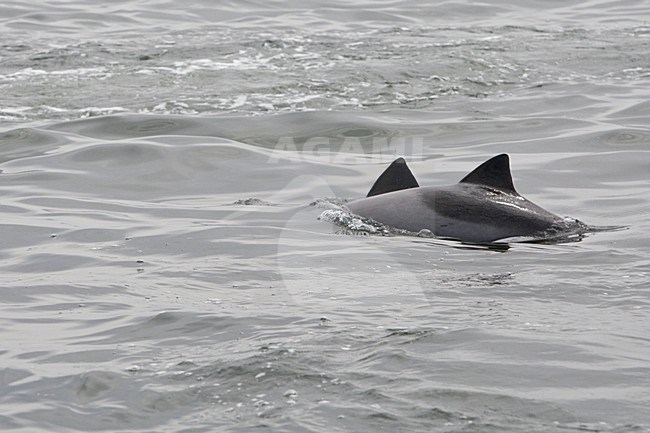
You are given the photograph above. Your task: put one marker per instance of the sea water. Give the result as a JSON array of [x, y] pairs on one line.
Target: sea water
[[164, 170]]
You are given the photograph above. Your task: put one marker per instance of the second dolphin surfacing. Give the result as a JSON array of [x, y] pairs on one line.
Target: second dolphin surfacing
[[483, 207]]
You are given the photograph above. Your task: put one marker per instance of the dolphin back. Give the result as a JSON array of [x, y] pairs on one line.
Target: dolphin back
[[483, 207]]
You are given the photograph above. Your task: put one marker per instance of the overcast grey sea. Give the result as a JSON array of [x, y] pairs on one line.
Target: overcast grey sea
[[165, 166]]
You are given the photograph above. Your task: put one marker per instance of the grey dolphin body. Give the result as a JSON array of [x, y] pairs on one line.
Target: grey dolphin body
[[483, 207]]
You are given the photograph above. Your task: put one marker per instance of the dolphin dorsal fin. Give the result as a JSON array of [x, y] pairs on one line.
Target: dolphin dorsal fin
[[494, 173], [396, 177]]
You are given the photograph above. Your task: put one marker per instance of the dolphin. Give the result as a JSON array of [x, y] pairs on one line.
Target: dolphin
[[482, 208]]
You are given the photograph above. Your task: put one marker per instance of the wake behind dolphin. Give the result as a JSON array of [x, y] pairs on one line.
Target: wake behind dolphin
[[483, 207]]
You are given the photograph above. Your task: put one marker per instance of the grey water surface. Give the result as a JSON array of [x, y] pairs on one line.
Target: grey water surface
[[164, 166]]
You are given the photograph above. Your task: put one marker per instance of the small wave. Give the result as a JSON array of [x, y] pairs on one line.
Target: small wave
[[351, 224], [253, 202]]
